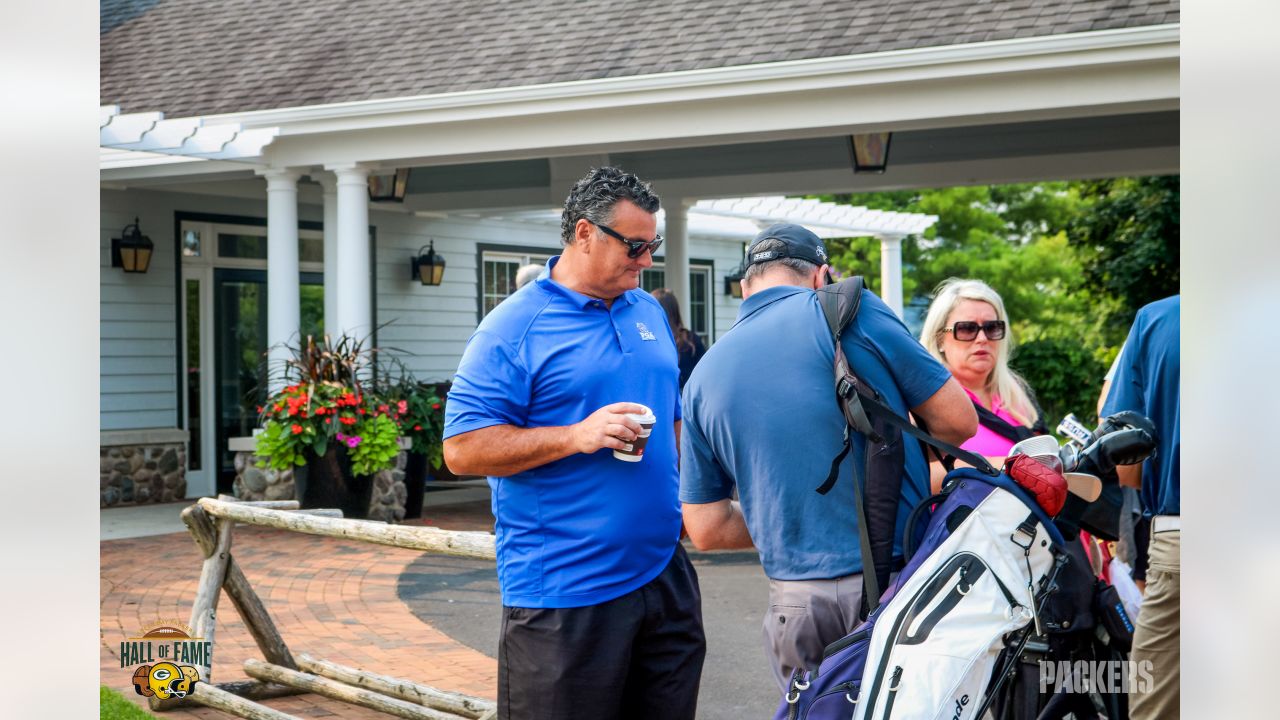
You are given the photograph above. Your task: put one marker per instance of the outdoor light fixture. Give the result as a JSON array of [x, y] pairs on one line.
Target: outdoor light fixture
[[132, 250], [388, 185], [733, 284], [428, 267], [870, 152]]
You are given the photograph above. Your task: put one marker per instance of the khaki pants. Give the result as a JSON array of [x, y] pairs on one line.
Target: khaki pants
[[805, 616], [1156, 637]]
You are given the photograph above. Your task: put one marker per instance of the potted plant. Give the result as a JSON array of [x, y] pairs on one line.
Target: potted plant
[[327, 419], [420, 407]]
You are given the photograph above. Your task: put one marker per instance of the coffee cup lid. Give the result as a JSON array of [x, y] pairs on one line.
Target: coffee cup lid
[[645, 417]]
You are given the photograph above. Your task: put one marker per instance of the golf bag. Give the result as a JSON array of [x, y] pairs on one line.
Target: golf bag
[[929, 650], [985, 548]]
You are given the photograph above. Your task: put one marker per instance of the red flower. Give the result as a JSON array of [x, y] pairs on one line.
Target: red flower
[[327, 421], [383, 408], [297, 429], [417, 427], [293, 411], [361, 411], [435, 406], [259, 409]]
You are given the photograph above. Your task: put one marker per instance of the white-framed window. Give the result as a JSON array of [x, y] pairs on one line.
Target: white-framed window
[[498, 274], [701, 308], [243, 246]]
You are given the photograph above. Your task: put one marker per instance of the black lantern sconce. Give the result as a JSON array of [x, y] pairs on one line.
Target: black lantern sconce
[[428, 267], [733, 284], [132, 250], [870, 152], [388, 185]]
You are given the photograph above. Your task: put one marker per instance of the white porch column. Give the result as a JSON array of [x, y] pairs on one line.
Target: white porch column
[[891, 272], [677, 253], [355, 309], [283, 315], [329, 184]]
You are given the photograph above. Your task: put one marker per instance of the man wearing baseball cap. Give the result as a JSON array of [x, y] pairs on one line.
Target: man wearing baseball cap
[[760, 415]]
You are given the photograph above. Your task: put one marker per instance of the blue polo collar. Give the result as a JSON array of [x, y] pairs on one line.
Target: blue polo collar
[[766, 297], [582, 302]]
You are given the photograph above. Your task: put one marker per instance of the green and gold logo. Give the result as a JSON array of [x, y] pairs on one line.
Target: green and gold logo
[[167, 656]]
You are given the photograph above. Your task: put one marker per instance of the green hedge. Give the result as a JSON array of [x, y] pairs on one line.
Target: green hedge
[[1065, 376]]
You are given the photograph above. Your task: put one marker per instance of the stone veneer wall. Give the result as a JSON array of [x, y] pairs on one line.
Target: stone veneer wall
[[142, 466], [255, 483]]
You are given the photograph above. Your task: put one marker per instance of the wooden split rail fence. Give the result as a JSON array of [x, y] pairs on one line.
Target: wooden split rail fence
[[280, 673]]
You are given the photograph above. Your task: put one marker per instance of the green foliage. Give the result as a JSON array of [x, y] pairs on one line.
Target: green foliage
[[113, 706], [375, 447], [329, 404], [422, 416], [1065, 375], [1130, 239], [1073, 261]]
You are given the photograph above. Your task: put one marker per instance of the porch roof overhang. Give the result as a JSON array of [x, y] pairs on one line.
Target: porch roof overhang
[[1081, 75]]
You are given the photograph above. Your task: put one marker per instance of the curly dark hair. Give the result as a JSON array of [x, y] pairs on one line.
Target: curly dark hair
[[594, 196]]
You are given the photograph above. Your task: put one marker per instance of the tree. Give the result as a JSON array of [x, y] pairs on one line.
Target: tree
[[1129, 240]]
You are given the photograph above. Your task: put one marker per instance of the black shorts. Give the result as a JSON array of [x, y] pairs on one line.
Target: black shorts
[[636, 656]]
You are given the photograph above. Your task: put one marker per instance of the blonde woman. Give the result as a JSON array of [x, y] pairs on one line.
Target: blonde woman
[[967, 330]]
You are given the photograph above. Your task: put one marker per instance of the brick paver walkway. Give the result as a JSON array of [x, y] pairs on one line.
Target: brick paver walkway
[[330, 598]]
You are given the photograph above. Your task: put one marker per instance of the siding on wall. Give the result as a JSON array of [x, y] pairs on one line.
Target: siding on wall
[[137, 363], [137, 327]]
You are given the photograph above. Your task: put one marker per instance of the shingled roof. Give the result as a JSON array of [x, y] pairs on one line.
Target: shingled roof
[[201, 57]]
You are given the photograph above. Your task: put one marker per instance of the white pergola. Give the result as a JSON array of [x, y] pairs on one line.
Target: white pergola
[[742, 219], [832, 220]]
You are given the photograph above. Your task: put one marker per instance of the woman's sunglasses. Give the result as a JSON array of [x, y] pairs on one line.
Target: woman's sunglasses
[[635, 248], [967, 330]]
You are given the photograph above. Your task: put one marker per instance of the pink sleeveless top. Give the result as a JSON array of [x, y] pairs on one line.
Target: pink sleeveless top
[[987, 442]]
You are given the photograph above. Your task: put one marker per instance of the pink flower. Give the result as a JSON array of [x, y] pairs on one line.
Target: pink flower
[[353, 441], [402, 406]]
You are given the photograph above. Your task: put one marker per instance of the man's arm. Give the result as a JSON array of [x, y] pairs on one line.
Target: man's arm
[[504, 450], [716, 525], [1130, 475], [949, 413]]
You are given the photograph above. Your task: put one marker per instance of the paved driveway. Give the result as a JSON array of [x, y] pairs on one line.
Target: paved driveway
[[460, 598]]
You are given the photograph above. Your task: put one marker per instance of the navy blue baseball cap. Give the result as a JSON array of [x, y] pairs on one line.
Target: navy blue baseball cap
[[799, 243]]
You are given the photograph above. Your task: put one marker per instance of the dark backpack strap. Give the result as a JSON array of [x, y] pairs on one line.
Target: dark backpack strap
[[1002, 427]]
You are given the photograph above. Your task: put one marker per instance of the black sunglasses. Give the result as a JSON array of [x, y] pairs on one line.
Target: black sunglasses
[[967, 330], [635, 248]]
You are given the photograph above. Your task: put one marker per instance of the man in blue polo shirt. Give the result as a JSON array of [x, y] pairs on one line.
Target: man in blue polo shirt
[[760, 414], [602, 614], [1147, 379]]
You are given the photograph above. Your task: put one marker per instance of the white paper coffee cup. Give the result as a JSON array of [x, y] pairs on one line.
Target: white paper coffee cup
[[634, 450]]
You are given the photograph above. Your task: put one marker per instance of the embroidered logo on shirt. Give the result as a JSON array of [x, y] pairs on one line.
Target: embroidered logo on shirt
[[644, 332]]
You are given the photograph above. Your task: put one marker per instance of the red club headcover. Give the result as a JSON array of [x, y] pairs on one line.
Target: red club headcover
[[1044, 483]]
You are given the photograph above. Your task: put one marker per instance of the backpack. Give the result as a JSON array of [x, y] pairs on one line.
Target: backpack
[[986, 554]]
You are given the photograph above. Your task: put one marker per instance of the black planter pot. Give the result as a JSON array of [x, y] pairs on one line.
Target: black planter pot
[[415, 483], [329, 483]]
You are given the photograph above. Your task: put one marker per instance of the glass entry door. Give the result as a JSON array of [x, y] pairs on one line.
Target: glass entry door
[[240, 346]]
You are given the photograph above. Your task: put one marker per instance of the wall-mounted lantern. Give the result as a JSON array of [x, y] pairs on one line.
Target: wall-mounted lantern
[[870, 152], [132, 250], [388, 185], [428, 267], [733, 283]]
